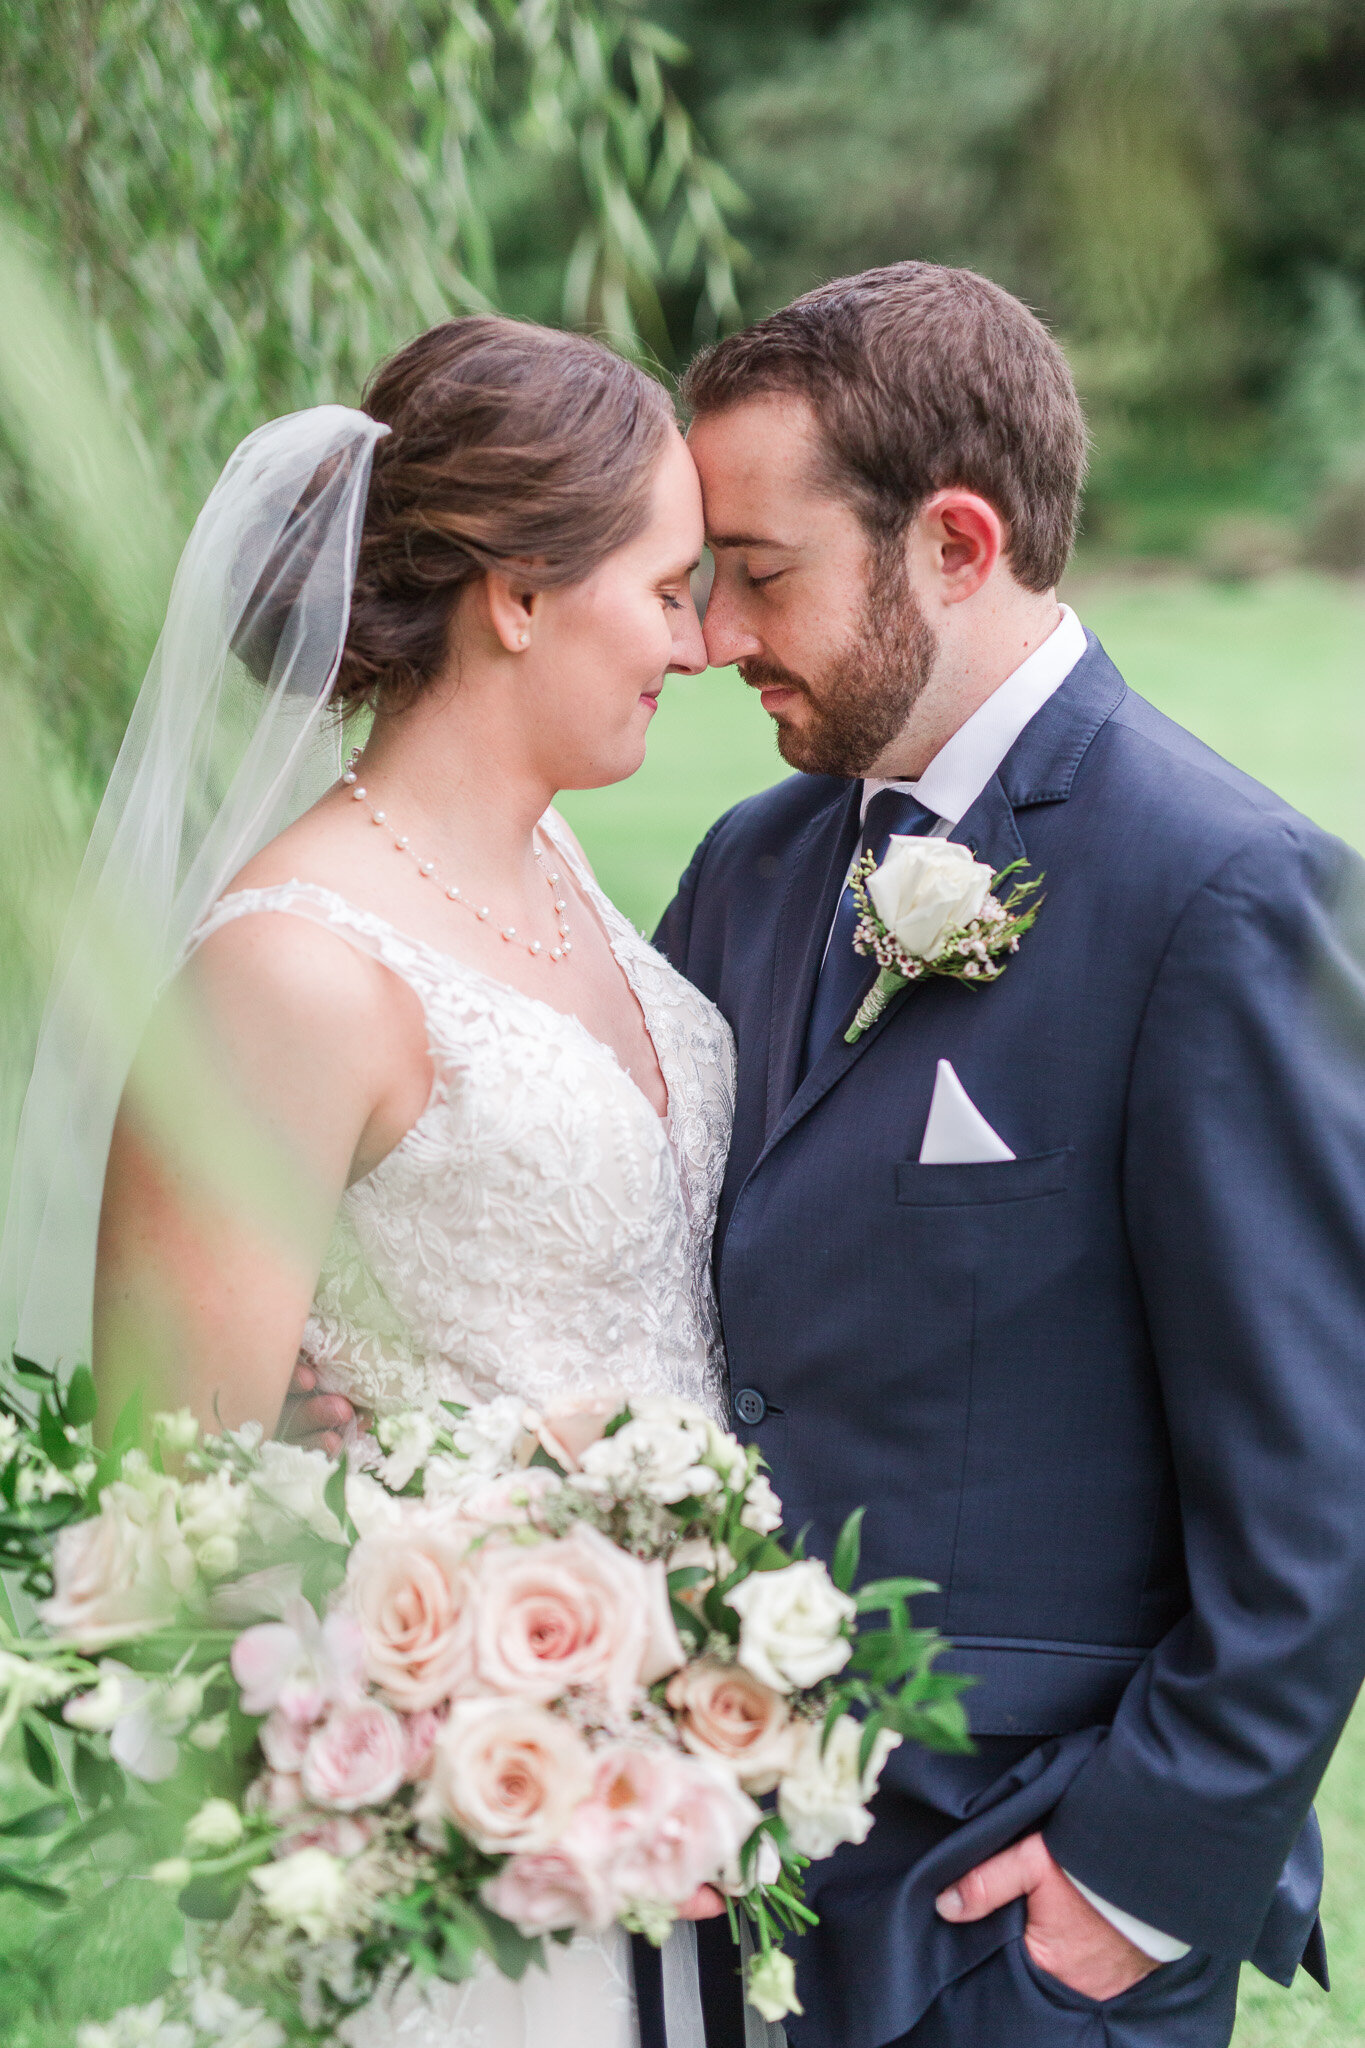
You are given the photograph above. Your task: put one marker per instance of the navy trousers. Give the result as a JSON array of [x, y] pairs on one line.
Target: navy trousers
[[1006, 2001]]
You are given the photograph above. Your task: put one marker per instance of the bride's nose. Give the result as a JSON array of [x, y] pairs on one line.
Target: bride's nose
[[689, 649]]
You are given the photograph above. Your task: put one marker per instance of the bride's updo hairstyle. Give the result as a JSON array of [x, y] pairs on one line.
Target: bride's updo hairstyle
[[511, 446]]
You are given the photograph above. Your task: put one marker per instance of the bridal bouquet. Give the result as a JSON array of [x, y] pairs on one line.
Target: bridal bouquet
[[500, 1677]]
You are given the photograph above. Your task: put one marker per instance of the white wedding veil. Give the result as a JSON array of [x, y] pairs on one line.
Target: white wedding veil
[[230, 738]]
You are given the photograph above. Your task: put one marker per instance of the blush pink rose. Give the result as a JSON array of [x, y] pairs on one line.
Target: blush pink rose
[[575, 1612], [551, 1889], [340, 1834], [409, 1592], [355, 1758], [567, 1429], [283, 1742], [275, 1794], [509, 1776], [512, 1500], [659, 1825], [419, 1740], [724, 1712]]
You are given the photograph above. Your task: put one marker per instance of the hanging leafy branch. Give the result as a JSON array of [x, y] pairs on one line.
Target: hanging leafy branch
[[256, 201]]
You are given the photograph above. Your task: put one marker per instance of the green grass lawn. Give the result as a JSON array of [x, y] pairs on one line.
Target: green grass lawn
[[1273, 675]]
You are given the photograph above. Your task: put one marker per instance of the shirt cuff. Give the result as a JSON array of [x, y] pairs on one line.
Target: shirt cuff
[[1162, 1948]]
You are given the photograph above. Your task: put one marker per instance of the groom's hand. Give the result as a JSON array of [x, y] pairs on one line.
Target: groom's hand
[[1065, 1935], [317, 1421]]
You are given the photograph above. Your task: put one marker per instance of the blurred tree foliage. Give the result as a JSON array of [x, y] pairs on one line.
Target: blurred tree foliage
[[1179, 185], [254, 201], [215, 211]]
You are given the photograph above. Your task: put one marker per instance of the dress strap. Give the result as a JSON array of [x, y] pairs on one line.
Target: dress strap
[[409, 959]]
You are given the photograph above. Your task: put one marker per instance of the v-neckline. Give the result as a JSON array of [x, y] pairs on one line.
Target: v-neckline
[[508, 988]]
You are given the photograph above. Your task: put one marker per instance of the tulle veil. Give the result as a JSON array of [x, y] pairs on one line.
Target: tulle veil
[[232, 735]]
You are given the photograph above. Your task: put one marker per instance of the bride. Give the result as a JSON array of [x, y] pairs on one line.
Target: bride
[[419, 1108]]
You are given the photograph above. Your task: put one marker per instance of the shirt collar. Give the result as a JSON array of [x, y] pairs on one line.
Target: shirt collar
[[962, 767]]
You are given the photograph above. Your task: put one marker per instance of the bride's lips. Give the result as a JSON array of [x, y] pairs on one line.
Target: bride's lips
[[650, 699]]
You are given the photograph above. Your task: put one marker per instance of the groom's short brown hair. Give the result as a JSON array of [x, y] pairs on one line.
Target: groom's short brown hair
[[922, 377]]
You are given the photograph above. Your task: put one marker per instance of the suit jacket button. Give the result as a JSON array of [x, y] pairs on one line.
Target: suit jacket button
[[750, 1406]]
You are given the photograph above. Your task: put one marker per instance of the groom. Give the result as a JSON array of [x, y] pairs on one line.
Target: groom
[[1064, 1276]]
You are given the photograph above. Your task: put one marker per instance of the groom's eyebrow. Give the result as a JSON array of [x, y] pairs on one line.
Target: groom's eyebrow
[[747, 540]]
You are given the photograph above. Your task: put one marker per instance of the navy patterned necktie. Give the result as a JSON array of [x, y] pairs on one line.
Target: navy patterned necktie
[[846, 976]]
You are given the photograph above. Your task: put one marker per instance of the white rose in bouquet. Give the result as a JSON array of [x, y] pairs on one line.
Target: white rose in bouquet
[[762, 1510], [661, 1453], [290, 1488], [121, 1574], [493, 1436], [307, 1890], [371, 1506], [407, 1438], [212, 1513], [927, 888], [791, 1625], [823, 1801]]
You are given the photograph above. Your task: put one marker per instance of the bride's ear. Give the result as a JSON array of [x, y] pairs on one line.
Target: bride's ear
[[512, 610]]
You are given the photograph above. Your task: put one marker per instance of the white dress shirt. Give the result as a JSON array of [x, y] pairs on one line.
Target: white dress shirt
[[950, 785], [964, 764]]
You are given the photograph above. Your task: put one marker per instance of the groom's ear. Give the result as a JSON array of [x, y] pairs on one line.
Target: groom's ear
[[960, 540]]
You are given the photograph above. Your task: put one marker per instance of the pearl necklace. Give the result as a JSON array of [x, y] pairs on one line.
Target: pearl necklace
[[427, 870]]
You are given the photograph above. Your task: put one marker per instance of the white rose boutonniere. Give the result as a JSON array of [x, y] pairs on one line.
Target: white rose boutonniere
[[932, 908]]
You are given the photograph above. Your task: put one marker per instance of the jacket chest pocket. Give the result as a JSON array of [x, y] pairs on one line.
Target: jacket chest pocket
[[989, 1181]]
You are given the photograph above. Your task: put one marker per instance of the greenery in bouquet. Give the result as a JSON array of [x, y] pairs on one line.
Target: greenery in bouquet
[[489, 1679]]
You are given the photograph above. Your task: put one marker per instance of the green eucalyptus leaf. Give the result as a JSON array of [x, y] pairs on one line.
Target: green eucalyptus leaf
[[880, 1593], [33, 1888], [686, 1577], [39, 1758], [210, 1898], [39, 1820], [512, 1951], [81, 1402], [55, 1442], [127, 1430], [844, 1564]]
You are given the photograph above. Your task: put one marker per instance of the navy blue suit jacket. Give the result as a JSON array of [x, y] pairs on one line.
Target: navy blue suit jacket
[[1109, 1395]]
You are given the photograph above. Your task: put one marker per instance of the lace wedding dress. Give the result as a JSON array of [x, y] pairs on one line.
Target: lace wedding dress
[[539, 1231]]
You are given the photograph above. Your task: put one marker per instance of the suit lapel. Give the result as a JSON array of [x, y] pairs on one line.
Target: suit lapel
[[990, 830], [1039, 769], [818, 867]]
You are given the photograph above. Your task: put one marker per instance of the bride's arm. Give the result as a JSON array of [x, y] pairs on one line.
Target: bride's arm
[[282, 1066]]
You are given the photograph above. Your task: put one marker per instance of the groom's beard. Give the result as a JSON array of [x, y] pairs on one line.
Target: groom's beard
[[861, 701]]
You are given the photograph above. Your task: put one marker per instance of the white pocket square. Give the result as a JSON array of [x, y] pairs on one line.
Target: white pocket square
[[957, 1134]]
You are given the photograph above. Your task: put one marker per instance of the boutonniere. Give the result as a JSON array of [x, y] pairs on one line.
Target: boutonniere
[[932, 908]]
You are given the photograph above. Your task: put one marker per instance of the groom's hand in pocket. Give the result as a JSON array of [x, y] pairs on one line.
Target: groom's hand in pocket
[[315, 1420], [1065, 1935]]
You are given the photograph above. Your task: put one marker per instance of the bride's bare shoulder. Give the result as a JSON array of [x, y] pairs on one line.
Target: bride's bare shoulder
[[288, 958]]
